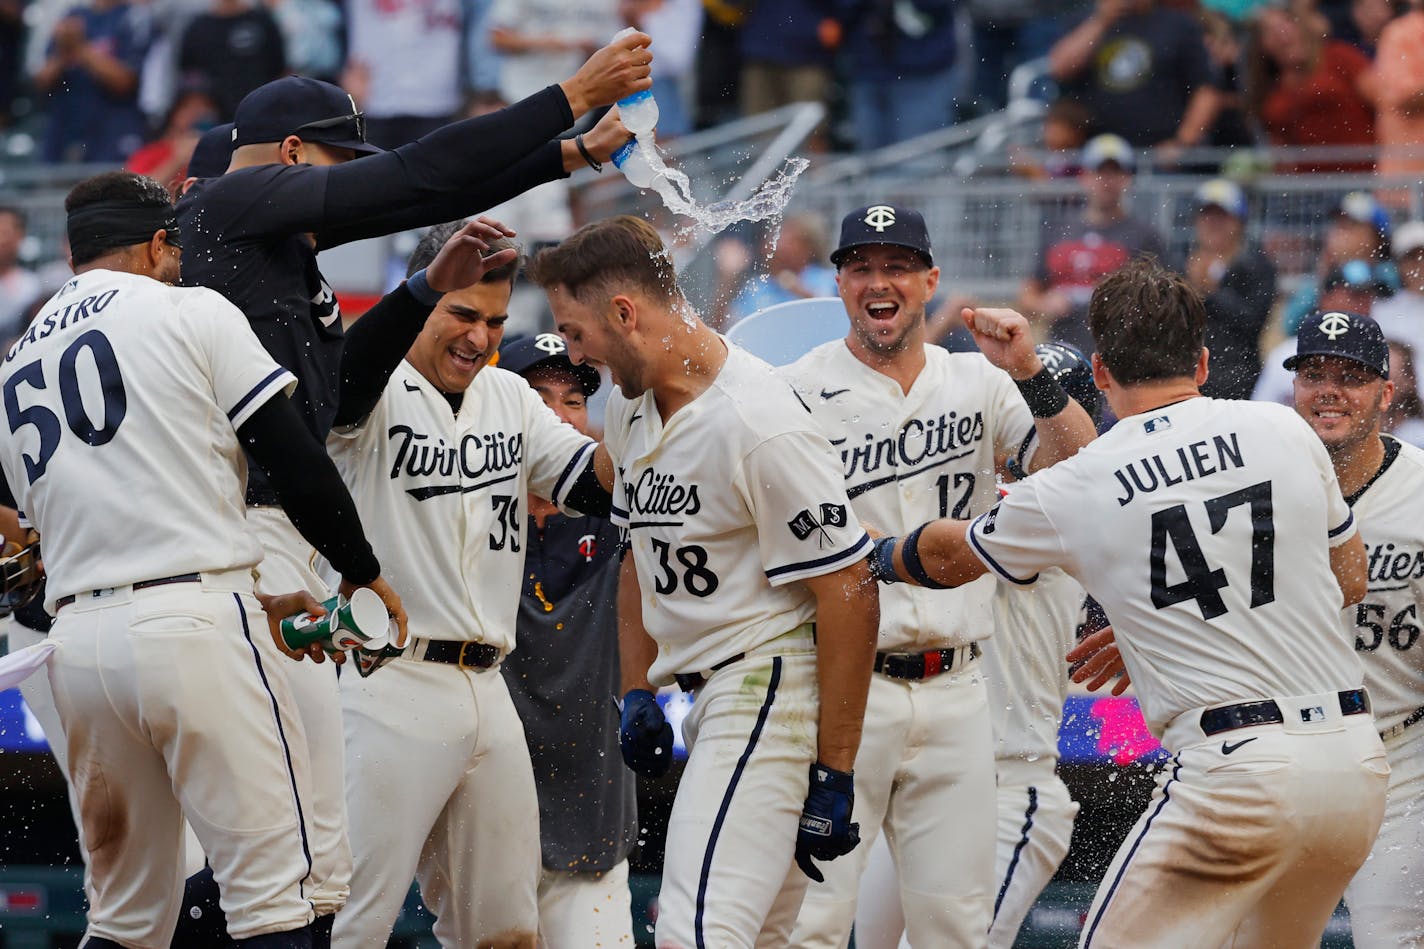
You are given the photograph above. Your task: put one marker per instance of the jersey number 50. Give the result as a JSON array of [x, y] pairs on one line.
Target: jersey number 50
[[111, 384], [1202, 582]]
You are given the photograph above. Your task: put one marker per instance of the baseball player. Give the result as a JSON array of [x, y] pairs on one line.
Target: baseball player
[[440, 451], [167, 706], [1342, 387], [560, 675], [918, 430], [1175, 521], [748, 572], [1027, 682], [292, 189]]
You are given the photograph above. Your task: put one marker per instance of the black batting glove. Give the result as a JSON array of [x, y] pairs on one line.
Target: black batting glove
[[825, 830], [644, 735]]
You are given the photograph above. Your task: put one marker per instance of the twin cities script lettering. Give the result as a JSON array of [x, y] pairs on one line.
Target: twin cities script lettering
[[1188, 463], [658, 494], [920, 441], [493, 456]]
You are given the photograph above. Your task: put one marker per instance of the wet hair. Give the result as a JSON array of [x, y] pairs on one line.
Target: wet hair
[[436, 238], [601, 258], [1147, 322], [114, 210]]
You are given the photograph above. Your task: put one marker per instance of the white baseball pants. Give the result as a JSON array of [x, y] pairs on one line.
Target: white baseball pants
[[286, 567], [1251, 835], [729, 877], [169, 708], [439, 789], [585, 910], [1386, 898], [925, 775]]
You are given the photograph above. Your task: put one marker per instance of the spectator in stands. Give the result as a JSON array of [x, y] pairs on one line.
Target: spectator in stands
[[1359, 22], [1223, 47], [403, 66], [19, 288], [235, 47], [1399, 93], [675, 26], [1401, 316], [1238, 285], [903, 79], [1143, 71], [1351, 287], [311, 36], [1404, 419], [1077, 253], [89, 83], [1359, 229], [719, 63], [796, 270], [1308, 89], [1009, 33], [165, 159], [1065, 132], [537, 39], [786, 48]]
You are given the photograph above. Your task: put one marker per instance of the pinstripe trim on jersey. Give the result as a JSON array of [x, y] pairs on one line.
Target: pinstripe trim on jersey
[[275, 381], [1027, 443], [1349, 522], [727, 801], [576, 464], [993, 564], [813, 568], [1018, 851], [617, 515], [1141, 836], [281, 736]]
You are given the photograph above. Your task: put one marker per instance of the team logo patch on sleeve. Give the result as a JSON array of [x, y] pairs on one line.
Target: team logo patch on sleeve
[[804, 524], [833, 515]]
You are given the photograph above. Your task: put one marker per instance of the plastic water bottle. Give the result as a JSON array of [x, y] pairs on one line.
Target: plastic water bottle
[[639, 113]]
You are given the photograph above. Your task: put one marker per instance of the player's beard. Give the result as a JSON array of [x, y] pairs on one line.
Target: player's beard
[[887, 345], [1363, 424]]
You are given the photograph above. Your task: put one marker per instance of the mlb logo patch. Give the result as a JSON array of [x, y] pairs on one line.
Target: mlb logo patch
[[1159, 423], [1314, 713]]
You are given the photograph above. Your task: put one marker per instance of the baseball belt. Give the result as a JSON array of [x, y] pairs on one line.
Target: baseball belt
[[924, 665], [1394, 731], [1214, 721], [64, 601], [467, 654], [692, 681]]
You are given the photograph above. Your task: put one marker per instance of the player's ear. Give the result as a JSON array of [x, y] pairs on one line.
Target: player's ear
[[1101, 377], [625, 311], [1202, 369], [154, 249], [291, 151], [1386, 395], [932, 283]]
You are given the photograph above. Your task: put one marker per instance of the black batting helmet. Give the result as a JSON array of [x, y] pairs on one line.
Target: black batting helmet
[[1072, 370]]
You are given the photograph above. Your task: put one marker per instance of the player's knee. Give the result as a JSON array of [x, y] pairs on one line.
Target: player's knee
[[512, 939]]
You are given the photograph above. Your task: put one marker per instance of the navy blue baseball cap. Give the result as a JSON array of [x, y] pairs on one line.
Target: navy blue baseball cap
[[310, 109], [883, 224], [1347, 335], [213, 153], [526, 353], [1072, 370]]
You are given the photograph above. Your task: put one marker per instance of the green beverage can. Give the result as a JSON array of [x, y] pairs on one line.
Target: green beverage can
[[360, 621]]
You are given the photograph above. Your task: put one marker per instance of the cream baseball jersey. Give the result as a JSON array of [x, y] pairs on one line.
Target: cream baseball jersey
[[1024, 665], [728, 504], [442, 494], [123, 401], [1385, 626], [911, 457], [1203, 528]]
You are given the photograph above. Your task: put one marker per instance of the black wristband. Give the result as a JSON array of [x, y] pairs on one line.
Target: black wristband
[[593, 163], [1045, 397], [910, 553], [882, 560]]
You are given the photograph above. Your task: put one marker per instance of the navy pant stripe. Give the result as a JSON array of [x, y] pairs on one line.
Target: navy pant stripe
[[727, 800], [1018, 849], [281, 734], [1142, 835]]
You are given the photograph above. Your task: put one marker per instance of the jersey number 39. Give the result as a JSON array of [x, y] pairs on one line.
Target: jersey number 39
[[111, 384]]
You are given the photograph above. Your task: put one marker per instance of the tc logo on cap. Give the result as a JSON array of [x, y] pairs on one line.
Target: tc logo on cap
[[880, 216], [1334, 325], [551, 343]]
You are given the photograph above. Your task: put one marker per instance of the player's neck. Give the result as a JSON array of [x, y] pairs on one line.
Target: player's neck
[[687, 368], [1147, 396], [1356, 464]]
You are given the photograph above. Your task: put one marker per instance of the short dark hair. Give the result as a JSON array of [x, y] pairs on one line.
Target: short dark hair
[[1147, 322], [606, 254], [437, 236], [137, 191]]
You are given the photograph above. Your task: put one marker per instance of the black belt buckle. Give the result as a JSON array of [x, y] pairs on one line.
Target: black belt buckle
[[916, 666], [476, 655]]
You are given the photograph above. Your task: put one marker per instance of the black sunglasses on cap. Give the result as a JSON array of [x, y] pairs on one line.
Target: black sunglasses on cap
[[358, 119]]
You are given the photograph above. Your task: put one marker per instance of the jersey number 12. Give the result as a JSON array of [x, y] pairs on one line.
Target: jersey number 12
[[1202, 583], [111, 384]]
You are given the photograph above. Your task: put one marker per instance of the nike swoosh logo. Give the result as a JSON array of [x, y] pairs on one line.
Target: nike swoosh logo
[[832, 394], [635, 418], [411, 388], [1227, 747]]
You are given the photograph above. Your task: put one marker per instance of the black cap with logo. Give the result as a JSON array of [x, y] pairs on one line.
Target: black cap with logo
[[530, 352], [883, 224], [310, 109], [1347, 335]]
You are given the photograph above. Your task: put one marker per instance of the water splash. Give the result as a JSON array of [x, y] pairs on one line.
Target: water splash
[[767, 202]]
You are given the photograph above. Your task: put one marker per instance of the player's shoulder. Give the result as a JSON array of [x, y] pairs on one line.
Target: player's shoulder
[[1408, 464], [758, 397]]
